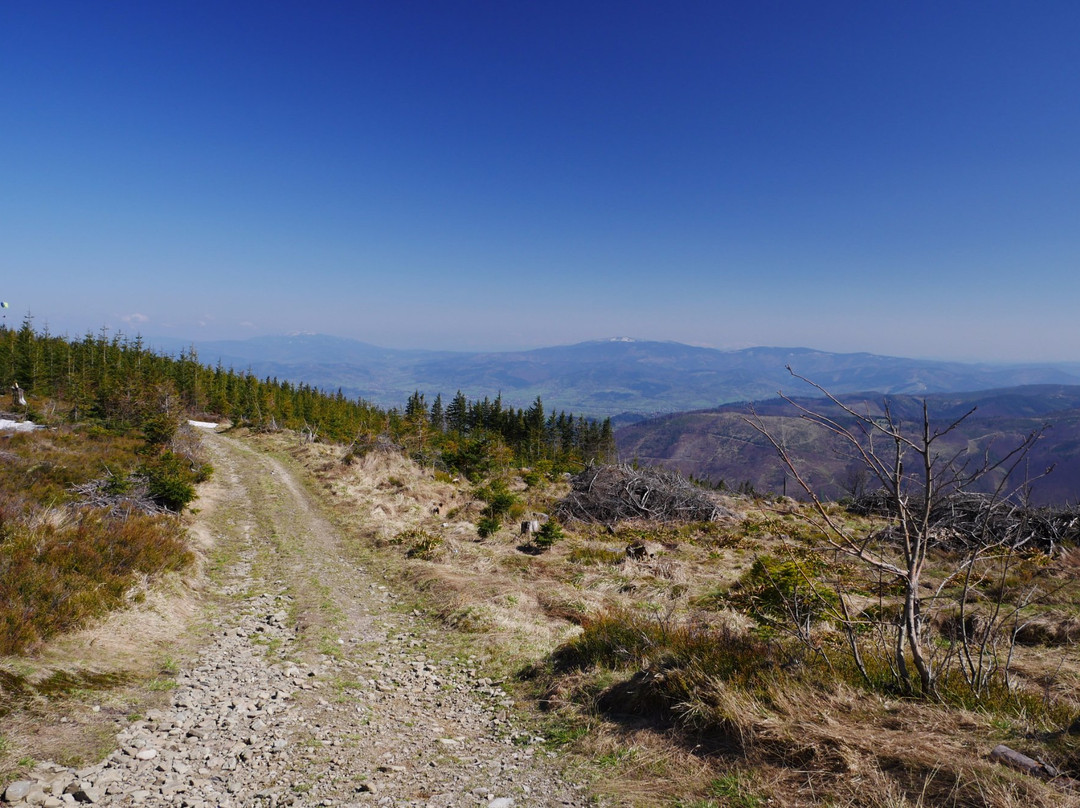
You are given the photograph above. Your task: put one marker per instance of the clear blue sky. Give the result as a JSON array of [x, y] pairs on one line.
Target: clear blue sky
[[901, 178]]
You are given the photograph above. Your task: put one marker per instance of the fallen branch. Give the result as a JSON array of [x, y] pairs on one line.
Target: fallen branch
[[1035, 768]]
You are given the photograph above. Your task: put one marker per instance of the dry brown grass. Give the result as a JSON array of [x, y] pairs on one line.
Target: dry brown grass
[[796, 739], [49, 699]]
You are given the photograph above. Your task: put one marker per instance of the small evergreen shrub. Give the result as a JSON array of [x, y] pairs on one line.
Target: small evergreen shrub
[[159, 428], [778, 590], [549, 533], [499, 502], [170, 481]]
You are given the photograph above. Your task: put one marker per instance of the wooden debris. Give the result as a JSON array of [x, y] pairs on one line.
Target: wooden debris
[[610, 494], [1036, 768], [964, 519], [118, 497]]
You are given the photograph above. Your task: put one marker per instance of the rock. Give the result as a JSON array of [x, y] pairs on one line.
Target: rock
[[83, 792], [17, 790]]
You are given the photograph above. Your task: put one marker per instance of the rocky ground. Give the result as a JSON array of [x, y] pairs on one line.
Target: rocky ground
[[313, 687]]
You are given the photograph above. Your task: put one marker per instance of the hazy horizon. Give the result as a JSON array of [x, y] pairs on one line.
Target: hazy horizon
[[896, 180], [180, 342]]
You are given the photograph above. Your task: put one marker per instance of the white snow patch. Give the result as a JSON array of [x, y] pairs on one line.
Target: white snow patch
[[19, 426], [203, 424]]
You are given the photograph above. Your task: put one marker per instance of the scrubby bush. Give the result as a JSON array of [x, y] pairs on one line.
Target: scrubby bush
[[422, 545], [784, 591], [170, 481], [549, 533], [487, 526]]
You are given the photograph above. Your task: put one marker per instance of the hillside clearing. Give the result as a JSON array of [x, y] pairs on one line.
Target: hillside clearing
[[657, 724]]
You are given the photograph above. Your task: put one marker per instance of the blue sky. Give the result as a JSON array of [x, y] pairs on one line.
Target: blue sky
[[900, 178]]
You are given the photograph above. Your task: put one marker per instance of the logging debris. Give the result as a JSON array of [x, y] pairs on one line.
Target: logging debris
[[964, 519], [611, 494], [117, 496]]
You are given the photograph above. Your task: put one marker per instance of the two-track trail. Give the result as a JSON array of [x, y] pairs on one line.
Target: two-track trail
[[310, 688]]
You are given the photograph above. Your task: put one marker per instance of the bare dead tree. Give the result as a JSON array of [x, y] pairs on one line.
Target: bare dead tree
[[916, 481]]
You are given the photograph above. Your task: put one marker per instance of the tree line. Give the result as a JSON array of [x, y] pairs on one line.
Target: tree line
[[120, 383]]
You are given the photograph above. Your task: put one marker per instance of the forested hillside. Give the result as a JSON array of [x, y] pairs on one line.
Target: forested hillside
[[113, 456], [118, 383]]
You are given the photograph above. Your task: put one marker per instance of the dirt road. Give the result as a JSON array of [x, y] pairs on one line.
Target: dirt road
[[313, 686]]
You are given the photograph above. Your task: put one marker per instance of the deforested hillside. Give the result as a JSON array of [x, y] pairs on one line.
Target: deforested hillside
[[721, 445]]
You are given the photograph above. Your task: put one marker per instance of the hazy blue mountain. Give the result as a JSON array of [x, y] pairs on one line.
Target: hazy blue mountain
[[621, 377]]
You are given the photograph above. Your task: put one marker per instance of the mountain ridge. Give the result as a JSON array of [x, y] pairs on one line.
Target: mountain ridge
[[620, 377], [720, 444]]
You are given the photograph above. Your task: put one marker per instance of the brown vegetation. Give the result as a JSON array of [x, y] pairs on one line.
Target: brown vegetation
[[683, 686], [62, 562]]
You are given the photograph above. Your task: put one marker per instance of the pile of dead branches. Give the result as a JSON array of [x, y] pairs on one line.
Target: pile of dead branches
[[966, 519], [610, 494], [118, 497]]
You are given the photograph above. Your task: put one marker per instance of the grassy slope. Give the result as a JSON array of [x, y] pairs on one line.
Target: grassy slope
[[655, 716], [782, 731]]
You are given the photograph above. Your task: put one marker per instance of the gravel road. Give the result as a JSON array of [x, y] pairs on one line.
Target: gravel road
[[313, 686]]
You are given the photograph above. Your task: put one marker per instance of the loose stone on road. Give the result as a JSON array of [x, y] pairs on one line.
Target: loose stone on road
[[262, 719]]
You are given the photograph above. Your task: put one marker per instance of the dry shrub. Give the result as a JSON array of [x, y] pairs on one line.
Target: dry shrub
[[55, 578], [187, 443], [1050, 630]]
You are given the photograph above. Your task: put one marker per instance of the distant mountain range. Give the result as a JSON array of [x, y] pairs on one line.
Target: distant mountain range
[[719, 444], [624, 378]]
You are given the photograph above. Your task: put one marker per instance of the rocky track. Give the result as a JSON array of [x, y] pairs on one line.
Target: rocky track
[[311, 688]]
